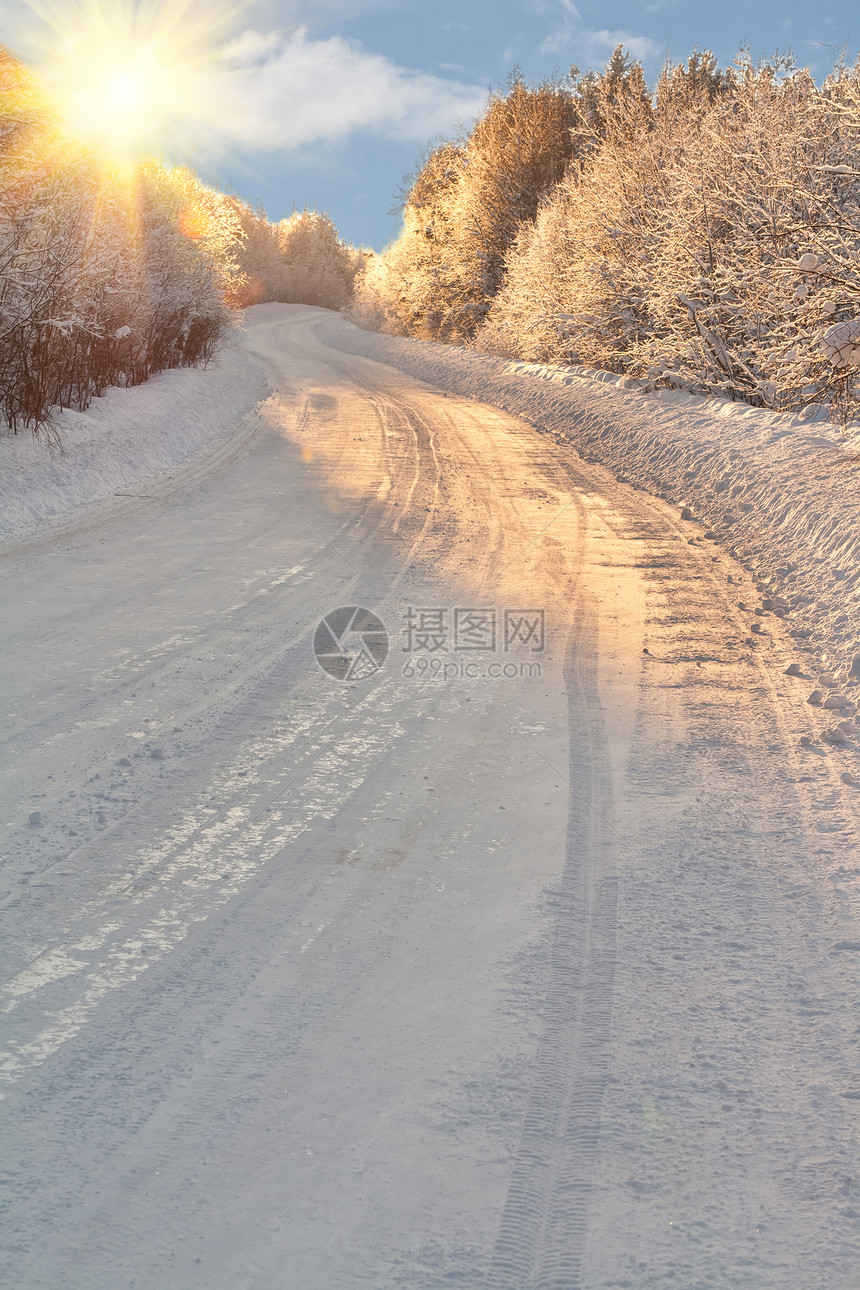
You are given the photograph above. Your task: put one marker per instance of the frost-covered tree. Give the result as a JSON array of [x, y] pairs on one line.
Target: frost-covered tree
[[464, 210], [705, 235], [319, 268], [410, 289], [258, 258], [709, 244], [300, 260], [611, 106]]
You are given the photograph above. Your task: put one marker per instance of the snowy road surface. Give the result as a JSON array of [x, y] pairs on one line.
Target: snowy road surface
[[536, 971]]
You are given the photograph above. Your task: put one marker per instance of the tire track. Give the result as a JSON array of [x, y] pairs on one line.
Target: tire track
[[541, 1236]]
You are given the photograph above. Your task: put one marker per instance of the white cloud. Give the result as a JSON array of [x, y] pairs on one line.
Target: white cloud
[[283, 90], [568, 23], [597, 45], [588, 46]]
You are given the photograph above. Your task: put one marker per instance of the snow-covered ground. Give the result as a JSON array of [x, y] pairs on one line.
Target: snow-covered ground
[[531, 977]]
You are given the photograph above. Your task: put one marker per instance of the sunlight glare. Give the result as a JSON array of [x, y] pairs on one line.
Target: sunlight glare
[[116, 106], [131, 79]]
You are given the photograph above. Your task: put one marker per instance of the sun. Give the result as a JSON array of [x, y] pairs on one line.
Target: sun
[[116, 100], [130, 78]]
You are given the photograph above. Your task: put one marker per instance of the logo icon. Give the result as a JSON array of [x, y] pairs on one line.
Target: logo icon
[[351, 643]]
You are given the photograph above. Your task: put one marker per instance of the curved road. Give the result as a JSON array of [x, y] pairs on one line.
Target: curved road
[[527, 959]]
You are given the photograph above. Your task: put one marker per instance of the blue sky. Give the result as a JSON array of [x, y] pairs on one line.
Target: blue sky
[[332, 102]]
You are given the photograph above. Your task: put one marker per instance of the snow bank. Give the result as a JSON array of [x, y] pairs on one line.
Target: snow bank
[[780, 493], [126, 437]]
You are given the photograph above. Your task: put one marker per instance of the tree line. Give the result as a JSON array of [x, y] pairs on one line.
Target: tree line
[[704, 235]]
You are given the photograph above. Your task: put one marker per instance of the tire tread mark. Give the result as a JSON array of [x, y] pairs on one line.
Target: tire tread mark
[[541, 1237]]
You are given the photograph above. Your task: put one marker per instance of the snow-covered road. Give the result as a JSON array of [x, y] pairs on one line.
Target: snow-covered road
[[526, 960]]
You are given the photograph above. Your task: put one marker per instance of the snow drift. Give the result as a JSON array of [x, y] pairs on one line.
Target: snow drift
[[128, 440]]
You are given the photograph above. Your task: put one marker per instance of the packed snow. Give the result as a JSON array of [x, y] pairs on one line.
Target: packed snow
[[779, 491], [841, 343]]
